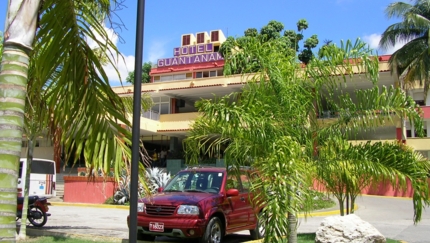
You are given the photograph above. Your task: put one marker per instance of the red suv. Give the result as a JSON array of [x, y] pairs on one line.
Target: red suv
[[205, 203]]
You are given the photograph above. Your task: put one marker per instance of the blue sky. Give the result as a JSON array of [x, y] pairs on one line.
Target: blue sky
[[167, 20]]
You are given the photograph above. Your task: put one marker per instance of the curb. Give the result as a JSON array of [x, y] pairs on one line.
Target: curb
[[89, 205]]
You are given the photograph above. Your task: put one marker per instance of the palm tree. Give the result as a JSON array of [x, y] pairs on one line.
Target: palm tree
[[411, 62], [272, 124], [1, 44], [70, 77]]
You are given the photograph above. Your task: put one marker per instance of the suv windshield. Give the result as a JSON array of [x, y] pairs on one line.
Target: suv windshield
[[195, 181]]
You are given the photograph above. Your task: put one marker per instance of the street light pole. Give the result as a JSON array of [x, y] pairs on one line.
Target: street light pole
[[140, 26]]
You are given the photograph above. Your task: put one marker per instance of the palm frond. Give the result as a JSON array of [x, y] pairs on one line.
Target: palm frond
[[76, 85]]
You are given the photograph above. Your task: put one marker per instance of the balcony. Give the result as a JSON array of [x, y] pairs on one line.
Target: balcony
[[153, 115]]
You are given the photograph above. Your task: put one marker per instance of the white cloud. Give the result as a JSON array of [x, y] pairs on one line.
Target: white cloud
[[373, 41], [124, 64], [157, 50]]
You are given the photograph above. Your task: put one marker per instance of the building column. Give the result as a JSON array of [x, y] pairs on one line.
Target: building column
[[174, 142], [401, 131], [428, 128]]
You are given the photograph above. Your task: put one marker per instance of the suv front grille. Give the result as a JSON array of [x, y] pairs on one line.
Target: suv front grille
[[160, 210]]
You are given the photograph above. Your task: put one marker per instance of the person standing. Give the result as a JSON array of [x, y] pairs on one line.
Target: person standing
[[163, 157]]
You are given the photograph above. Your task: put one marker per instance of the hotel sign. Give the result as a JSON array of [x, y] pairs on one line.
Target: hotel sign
[[190, 55]]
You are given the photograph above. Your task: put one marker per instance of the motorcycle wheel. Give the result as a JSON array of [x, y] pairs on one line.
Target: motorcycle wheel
[[38, 222]]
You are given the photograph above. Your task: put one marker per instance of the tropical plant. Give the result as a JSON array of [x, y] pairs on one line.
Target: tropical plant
[[345, 170], [411, 63], [146, 69], [154, 178], [74, 86], [274, 122]]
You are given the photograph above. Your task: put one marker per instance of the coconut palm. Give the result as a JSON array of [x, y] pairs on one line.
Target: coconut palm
[[412, 61], [70, 77], [272, 124]]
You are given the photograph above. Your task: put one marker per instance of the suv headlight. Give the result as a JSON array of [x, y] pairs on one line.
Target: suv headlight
[[140, 207], [188, 209]]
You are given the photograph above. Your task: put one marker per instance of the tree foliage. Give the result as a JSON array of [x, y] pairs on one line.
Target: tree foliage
[[288, 44], [411, 63], [61, 80], [146, 69], [273, 125]]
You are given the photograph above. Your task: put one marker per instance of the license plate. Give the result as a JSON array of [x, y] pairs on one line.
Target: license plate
[[157, 227]]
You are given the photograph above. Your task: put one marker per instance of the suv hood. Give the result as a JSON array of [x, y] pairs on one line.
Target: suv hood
[[178, 198]]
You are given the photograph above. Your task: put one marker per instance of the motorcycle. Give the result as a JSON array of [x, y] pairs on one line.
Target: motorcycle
[[37, 210]]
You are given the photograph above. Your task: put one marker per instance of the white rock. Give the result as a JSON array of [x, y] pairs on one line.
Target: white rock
[[349, 228]]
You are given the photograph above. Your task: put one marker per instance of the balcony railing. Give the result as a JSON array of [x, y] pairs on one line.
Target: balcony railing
[[153, 115]]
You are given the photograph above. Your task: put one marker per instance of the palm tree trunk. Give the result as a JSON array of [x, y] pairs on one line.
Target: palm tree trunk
[[353, 197], [341, 207], [347, 203], [19, 34], [13, 83], [292, 228], [23, 228], [292, 221]]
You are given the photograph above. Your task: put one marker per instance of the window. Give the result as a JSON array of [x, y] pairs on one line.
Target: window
[[200, 38], [186, 39], [165, 78], [214, 36], [232, 182], [409, 133], [207, 74], [201, 181], [179, 76], [420, 102], [42, 167], [161, 106]]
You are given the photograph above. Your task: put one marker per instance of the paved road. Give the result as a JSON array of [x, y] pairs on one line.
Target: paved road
[[391, 216]]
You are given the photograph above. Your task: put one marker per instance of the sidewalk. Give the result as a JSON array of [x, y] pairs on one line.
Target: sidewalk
[[391, 216]]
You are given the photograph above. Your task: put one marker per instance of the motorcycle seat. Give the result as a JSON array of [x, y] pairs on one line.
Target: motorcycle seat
[[31, 199]]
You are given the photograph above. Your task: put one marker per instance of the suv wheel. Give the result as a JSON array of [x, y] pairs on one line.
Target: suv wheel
[[260, 228], [142, 236], [213, 233]]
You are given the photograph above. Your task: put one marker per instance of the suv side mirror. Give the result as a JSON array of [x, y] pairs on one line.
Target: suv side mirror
[[160, 189], [232, 192]]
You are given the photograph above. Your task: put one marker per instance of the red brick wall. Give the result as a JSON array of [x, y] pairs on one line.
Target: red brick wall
[[383, 189], [78, 189]]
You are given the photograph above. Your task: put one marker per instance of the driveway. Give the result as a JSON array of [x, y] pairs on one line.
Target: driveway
[[391, 216]]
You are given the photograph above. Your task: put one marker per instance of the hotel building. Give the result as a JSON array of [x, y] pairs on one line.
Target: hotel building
[[195, 71]]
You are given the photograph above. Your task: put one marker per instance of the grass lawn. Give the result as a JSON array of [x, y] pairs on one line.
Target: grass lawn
[[310, 238], [302, 238], [60, 239]]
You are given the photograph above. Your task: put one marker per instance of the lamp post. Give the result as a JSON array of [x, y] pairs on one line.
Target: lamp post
[[136, 121]]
